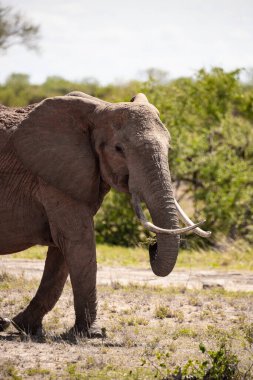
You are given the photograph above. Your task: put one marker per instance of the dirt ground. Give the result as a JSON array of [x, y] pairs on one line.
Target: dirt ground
[[148, 320], [189, 278]]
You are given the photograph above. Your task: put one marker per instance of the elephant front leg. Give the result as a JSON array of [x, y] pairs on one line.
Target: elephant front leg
[[51, 286], [81, 260], [72, 229]]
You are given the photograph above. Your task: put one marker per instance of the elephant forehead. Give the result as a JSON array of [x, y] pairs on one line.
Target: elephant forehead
[[132, 111], [147, 125], [142, 112], [130, 120], [150, 138]]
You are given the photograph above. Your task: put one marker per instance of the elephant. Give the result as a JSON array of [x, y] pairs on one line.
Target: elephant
[[58, 159]]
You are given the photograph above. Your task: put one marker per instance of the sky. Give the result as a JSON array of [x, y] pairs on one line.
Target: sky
[[118, 40]]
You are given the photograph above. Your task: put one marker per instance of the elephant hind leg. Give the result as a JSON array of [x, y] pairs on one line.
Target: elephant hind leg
[[50, 289]]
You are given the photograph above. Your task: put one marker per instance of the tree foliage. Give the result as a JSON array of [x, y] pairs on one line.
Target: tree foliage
[[210, 119], [15, 29]]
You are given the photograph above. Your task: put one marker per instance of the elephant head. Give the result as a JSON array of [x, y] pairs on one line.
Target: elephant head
[[132, 145], [77, 142]]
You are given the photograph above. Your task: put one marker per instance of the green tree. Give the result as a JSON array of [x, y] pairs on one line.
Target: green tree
[[210, 119]]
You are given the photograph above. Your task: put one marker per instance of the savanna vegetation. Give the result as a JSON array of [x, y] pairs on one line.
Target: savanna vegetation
[[210, 119], [164, 333]]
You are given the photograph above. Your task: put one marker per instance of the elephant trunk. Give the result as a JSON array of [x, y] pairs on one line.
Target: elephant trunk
[[158, 196], [163, 254]]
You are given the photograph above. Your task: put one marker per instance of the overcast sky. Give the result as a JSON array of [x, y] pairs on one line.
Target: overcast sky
[[117, 39]]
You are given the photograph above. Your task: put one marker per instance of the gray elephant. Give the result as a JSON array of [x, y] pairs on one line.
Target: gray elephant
[[58, 159]]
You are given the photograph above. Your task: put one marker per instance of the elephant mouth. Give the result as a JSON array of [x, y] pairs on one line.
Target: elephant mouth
[[123, 183], [190, 225]]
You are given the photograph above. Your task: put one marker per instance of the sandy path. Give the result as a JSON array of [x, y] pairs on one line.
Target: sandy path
[[198, 279]]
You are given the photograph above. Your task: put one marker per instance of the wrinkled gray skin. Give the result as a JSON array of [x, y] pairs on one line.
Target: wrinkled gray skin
[[57, 161]]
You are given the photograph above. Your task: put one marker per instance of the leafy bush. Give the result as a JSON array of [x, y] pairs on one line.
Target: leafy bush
[[216, 365], [210, 118], [116, 222]]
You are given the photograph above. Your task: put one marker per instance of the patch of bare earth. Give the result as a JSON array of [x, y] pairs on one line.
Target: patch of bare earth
[[189, 278], [140, 319]]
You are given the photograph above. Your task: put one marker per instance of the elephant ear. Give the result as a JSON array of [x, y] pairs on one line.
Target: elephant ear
[[142, 99], [54, 143]]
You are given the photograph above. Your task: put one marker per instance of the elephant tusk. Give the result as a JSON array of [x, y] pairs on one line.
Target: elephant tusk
[[151, 227], [182, 215]]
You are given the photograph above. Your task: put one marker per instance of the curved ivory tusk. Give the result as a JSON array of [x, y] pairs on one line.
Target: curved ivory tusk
[[151, 227], [189, 222]]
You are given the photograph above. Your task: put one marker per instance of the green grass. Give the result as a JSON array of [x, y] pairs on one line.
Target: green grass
[[122, 256], [37, 253], [238, 255]]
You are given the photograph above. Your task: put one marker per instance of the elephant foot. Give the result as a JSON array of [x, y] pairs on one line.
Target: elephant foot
[[4, 324], [22, 328], [93, 332], [27, 327]]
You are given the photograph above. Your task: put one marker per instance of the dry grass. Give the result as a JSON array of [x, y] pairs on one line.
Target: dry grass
[[141, 322]]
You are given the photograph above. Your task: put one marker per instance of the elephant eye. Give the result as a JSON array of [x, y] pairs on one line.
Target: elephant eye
[[119, 149]]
